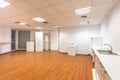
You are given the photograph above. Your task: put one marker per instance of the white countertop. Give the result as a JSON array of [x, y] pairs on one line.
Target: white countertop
[[4, 42], [111, 63]]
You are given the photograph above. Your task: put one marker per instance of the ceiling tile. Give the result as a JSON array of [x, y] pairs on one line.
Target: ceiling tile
[[12, 1], [98, 14], [57, 16], [13, 11], [56, 1], [97, 2], [50, 10], [39, 3], [4, 15], [38, 13], [69, 14], [101, 7], [72, 18], [77, 4], [66, 6], [24, 5], [114, 2], [26, 14], [12, 20]]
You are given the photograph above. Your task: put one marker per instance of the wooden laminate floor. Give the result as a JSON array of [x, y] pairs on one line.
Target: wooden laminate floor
[[50, 65]]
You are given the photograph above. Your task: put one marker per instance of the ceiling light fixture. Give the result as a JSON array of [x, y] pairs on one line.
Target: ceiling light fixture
[[83, 11], [1, 1], [38, 19], [38, 28], [84, 16], [22, 23], [3, 4]]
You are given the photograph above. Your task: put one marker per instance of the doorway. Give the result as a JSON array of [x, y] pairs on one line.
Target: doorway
[[38, 41], [13, 34], [46, 42], [23, 37]]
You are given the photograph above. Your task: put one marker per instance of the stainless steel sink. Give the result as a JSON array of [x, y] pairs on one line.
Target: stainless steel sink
[[106, 52]]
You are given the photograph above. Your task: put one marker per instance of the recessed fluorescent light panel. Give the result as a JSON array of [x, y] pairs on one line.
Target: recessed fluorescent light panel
[[83, 11], [38, 28], [3, 4], [38, 19], [22, 23]]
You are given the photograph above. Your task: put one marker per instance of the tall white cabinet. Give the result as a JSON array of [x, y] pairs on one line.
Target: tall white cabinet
[[38, 41]]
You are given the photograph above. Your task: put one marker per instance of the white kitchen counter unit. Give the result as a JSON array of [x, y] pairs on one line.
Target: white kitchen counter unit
[[30, 46], [111, 64], [1, 44], [72, 50], [38, 46]]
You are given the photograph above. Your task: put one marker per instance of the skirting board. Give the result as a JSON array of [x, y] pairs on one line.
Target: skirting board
[[6, 52], [76, 53]]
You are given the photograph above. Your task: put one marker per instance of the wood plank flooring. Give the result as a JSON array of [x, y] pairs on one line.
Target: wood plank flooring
[[49, 65]]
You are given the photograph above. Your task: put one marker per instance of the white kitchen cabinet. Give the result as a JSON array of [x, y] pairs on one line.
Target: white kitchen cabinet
[[30, 46], [38, 46], [72, 50], [102, 73], [107, 77]]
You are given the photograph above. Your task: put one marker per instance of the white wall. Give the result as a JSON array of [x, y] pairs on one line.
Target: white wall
[[5, 38], [80, 35], [54, 39], [110, 28]]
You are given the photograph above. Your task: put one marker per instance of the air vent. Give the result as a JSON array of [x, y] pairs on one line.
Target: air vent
[[84, 16], [22, 23], [17, 22], [45, 22], [28, 25]]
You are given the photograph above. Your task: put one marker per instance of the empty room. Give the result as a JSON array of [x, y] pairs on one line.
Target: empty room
[[59, 40]]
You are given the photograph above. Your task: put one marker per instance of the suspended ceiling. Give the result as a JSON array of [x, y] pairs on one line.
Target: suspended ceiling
[[55, 12]]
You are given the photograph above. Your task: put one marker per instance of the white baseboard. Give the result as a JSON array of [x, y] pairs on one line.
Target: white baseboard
[[6, 52], [76, 53]]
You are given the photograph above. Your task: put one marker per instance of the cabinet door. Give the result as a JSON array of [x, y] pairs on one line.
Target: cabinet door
[[107, 77], [103, 75], [30, 46], [99, 68], [39, 46], [93, 55]]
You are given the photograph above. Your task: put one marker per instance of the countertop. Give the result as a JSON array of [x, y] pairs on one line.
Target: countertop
[[4, 42], [111, 64]]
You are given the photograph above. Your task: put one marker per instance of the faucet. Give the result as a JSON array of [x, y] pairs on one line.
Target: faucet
[[111, 49]]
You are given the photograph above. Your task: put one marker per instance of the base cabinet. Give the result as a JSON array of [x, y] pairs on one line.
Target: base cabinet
[[107, 77], [102, 73], [30, 46]]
